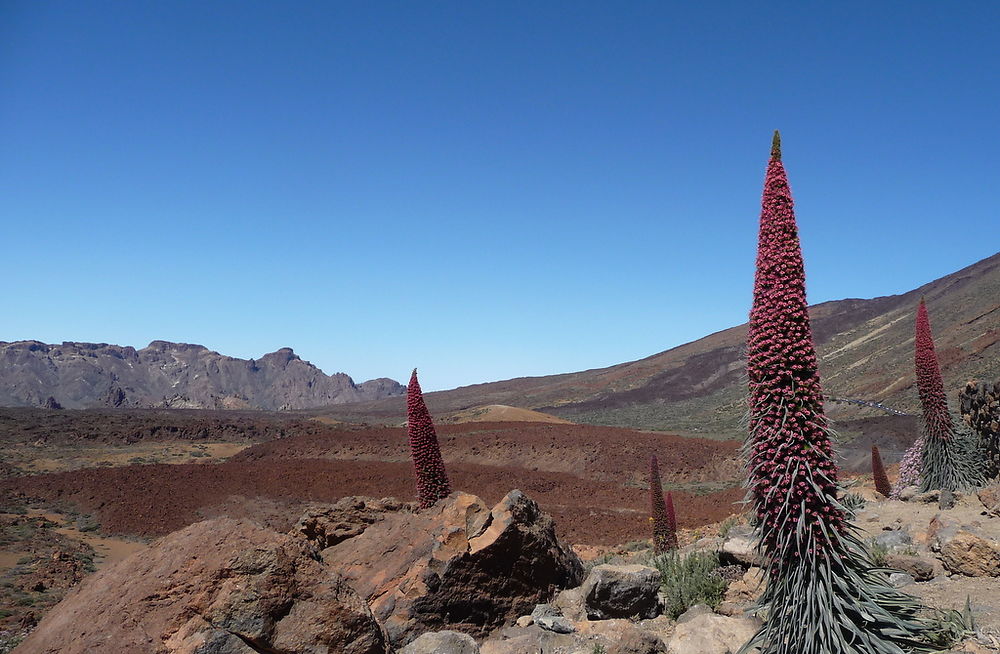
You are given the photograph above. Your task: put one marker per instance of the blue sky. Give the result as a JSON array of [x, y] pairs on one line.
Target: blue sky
[[483, 190]]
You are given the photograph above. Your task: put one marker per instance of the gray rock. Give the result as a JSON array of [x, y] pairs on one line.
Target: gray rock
[[570, 603], [558, 624], [930, 497], [545, 610], [893, 539], [172, 375], [637, 641], [920, 568], [621, 591], [740, 549], [946, 500], [712, 634], [908, 493], [900, 579], [525, 621], [533, 639], [694, 612], [442, 642]]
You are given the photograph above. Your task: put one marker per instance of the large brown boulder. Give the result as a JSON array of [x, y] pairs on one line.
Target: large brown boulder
[[330, 524], [458, 565], [216, 587]]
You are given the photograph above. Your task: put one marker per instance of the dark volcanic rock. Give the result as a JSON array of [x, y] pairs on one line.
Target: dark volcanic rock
[[221, 586], [457, 565], [173, 375]]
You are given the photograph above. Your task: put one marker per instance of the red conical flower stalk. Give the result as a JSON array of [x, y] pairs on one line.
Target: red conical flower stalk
[[822, 596], [671, 523], [949, 458], [882, 484], [432, 481], [661, 513], [930, 387]]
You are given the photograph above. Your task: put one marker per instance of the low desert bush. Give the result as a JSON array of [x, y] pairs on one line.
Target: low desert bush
[[879, 553], [689, 580]]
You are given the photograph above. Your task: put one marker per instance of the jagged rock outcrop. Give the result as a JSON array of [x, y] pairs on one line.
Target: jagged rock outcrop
[[171, 375], [348, 517], [216, 587], [457, 565]]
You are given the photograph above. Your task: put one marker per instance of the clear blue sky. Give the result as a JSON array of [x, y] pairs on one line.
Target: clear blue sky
[[481, 189]]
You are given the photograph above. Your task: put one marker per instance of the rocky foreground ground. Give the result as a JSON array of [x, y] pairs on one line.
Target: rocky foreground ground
[[372, 576]]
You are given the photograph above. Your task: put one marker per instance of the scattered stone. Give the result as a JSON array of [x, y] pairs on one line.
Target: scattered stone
[[694, 612], [517, 640], [920, 568], [457, 565], [216, 586], [729, 572], [544, 610], [930, 497], [709, 633], [909, 493], [525, 621], [941, 528], [900, 579], [621, 591], [637, 641], [570, 604], [990, 497], [442, 642], [968, 553], [746, 589], [558, 624], [893, 539], [740, 549]]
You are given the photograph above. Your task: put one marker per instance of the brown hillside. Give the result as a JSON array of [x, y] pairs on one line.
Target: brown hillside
[[865, 348]]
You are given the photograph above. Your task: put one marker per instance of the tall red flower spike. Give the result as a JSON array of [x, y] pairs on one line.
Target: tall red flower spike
[[671, 522], [661, 512], [432, 480], [949, 459], [882, 484], [930, 387], [822, 596]]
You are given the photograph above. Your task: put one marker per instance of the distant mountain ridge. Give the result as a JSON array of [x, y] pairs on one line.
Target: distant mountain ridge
[[865, 352], [173, 375]]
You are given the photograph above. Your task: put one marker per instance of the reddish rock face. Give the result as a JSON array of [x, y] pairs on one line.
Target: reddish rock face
[[458, 565], [216, 586]]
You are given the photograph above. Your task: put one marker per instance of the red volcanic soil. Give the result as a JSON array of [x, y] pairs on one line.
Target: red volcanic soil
[[587, 477]]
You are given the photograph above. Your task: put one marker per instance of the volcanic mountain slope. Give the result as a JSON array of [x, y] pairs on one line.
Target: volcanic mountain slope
[[865, 349], [175, 375]]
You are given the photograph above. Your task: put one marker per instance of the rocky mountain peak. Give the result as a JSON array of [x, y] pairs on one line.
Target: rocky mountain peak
[[90, 375]]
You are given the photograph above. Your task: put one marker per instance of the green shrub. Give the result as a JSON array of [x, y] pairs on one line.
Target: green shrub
[[688, 580], [879, 552], [727, 525], [952, 627]]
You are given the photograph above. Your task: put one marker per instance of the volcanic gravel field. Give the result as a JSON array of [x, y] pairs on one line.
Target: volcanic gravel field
[[591, 479]]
